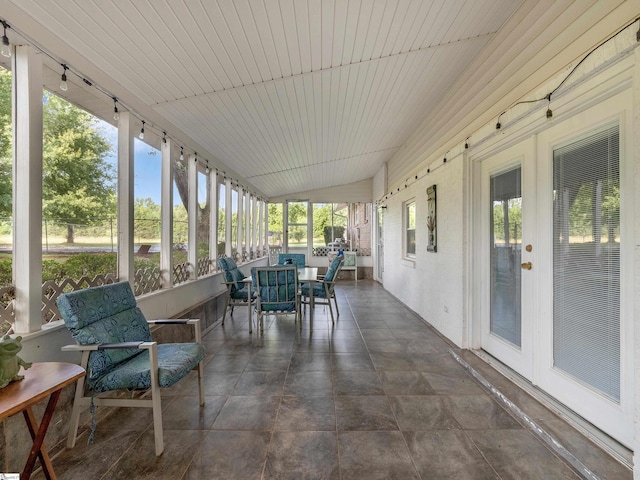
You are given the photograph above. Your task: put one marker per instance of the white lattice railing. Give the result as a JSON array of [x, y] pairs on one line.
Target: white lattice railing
[[181, 272], [7, 297], [147, 280], [51, 290], [205, 266]]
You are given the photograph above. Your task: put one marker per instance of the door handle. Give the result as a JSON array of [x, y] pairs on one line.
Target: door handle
[[527, 266]]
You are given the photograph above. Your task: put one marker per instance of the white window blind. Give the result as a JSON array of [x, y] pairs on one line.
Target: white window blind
[[586, 261]]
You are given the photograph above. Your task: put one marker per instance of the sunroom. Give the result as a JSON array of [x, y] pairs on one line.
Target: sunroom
[[477, 162]]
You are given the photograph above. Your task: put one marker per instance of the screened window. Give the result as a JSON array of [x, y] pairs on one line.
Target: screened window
[[410, 229]]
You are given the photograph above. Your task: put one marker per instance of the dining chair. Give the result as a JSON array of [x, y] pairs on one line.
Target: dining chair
[[324, 287], [118, 353], [277, 291], [297, 259], [238, 292]]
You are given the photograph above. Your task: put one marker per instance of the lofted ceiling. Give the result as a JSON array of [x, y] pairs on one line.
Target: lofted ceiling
[[290, 95]]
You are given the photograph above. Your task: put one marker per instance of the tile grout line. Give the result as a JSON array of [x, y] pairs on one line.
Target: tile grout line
[[553, 444]]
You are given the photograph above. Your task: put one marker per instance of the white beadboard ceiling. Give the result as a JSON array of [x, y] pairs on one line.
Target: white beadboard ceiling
[[292, 95]]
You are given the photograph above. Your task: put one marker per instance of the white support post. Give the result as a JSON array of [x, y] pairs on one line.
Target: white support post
[[228, 212], [192, 172], [166, 213], [125, 199], [266, 226], [285, 226], [247, 223], [260, 228], [27, 188], [213, 217], [254, 228], [239, 235]]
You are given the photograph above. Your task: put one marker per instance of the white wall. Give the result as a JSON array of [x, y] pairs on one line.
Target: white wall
[[432, 285]]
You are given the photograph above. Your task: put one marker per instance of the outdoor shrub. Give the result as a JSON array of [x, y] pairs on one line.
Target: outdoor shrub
[[5, 271]]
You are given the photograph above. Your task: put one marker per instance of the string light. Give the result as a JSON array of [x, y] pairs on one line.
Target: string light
[[164, 137], [206, 170], [64, 86], [181, 154], [549, 112], [116, 114], [6, 47], [141, 136]]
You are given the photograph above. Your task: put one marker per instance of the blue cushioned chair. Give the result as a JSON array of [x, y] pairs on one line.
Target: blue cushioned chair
[[323, 289], [298, 259], [238, 292], [118, 352], [277, 290]]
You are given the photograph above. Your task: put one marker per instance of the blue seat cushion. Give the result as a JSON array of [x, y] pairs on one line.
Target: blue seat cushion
[[175, 360], [241, 294], [318, 290]]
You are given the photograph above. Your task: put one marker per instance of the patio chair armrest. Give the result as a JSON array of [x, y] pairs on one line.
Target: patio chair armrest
[[103, 346], [174, 321]]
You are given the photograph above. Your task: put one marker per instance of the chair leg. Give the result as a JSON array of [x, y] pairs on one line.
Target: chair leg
[[331, 310], [335, 300], [156, 400], [77, 404], [224, 314], [201, 382]]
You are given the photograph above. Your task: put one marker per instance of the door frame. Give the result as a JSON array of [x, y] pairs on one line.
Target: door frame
[[521, 154]]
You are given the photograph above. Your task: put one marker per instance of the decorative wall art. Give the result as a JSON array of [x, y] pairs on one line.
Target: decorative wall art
[[431, 219]]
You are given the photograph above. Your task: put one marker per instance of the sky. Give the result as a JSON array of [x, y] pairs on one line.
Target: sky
[[147, 165]]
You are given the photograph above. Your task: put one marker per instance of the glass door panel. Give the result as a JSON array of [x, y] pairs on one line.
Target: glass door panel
[[586, 261], [505, 255]]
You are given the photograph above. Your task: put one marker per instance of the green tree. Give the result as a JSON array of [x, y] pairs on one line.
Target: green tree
[[77, 184], [146, 214], [5, 144]]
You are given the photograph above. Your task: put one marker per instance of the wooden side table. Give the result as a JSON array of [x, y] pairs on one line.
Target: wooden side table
[[40, 381]]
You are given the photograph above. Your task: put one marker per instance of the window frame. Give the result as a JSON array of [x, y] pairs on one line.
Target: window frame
[[407, 228]]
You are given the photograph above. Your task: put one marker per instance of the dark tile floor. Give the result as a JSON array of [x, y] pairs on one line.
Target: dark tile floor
[[377, 396]]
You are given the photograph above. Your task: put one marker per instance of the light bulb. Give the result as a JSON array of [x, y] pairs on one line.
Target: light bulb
[[64, 86], [141, 136], [116, 114], [6, 48], [206, 170], [181, 155]]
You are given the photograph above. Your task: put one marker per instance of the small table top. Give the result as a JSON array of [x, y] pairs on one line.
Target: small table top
[[39, 381], [307, 274]]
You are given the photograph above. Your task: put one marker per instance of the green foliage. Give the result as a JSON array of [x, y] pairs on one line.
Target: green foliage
[[78, 184], [5, 272], [147, 222], [5, 143]]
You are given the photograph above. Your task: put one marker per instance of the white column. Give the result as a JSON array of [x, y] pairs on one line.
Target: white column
[[260, 228], [228, 211], [239, 235], [636, 266], [247, 223], [27, 187], [213, 218], [266, 225], [192, 171], [166, 214], [125, 199], [254, 228]]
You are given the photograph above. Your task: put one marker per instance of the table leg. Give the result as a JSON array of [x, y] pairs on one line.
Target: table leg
[[37, 434]]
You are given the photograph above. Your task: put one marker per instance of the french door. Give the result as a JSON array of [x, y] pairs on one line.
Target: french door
[[506, 252], [555, 257]]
